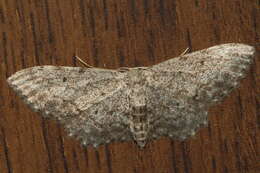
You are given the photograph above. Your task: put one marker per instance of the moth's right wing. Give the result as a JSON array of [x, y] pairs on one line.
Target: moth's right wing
[[88, 101], [205, 76], [184, 87]]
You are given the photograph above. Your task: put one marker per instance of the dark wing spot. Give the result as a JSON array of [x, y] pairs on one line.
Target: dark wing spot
[[64, 79]]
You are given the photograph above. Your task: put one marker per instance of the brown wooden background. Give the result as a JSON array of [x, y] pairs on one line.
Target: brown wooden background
[[114, 33]]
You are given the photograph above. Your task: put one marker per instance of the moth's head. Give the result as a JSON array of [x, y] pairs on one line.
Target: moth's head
[[136, 77]]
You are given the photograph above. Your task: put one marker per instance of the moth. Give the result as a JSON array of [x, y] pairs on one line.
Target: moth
[[171, 98]]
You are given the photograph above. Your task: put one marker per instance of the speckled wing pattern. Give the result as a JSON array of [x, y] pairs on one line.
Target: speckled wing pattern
[[186, 86], [88, 102], [99, 106]]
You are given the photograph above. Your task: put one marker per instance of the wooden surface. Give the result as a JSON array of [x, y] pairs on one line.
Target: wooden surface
[[115, 33]]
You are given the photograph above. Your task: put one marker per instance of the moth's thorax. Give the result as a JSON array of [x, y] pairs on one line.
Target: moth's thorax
[[137, 95]]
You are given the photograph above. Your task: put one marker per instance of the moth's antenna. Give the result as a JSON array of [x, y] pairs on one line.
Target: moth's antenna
[[84, 63], [186, 50], [89, 66]]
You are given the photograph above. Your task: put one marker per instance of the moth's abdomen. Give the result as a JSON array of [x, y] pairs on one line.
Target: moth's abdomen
[[139, 124]]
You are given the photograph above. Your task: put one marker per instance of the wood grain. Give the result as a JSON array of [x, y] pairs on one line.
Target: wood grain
[[111, 34]]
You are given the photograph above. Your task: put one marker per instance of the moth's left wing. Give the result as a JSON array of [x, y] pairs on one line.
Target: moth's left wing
[[88, 101]]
